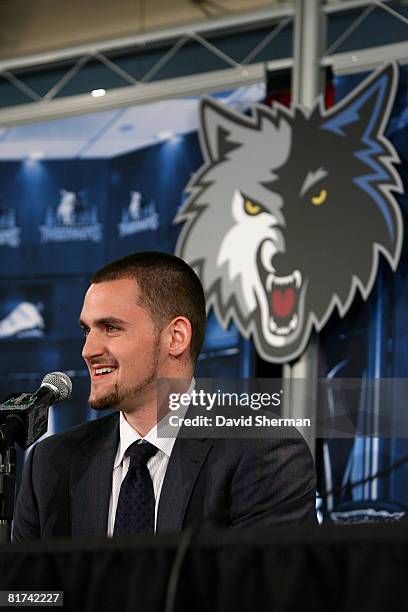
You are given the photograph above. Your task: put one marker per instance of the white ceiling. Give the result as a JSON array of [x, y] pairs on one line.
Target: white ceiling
[[111, 133]]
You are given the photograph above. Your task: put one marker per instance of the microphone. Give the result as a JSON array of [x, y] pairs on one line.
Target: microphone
[[55, 387], [24, 417]]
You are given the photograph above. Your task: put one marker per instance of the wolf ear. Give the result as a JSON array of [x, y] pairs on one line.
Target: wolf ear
[[221, 130], [365, 111]]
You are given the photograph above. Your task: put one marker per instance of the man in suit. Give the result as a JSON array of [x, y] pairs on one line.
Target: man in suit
[[143, 319]]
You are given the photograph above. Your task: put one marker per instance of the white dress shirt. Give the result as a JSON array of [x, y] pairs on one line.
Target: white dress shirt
[[157, 465]]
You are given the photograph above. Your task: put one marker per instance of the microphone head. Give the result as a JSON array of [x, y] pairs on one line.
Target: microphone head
[[60, 383]]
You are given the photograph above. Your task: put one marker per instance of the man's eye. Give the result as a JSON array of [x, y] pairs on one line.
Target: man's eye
[[319, 199], [251, 208], [85, 330], [110, 328]]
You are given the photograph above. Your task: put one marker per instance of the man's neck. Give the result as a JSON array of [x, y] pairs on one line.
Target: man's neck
[[142, 421], [145, 414]]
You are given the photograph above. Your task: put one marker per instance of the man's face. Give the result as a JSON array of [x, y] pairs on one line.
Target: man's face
[[122, 345]]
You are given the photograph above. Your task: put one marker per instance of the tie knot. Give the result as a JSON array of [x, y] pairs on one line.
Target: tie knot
[[140, 453]]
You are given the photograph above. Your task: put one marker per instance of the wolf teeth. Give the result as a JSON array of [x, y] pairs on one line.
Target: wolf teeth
[[294, 322], [298, 278], [283, 280], [284, 330], [291, 279]]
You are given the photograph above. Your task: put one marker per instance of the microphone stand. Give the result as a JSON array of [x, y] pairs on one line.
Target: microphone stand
[[7, 489], [11, 431], [24, 419]]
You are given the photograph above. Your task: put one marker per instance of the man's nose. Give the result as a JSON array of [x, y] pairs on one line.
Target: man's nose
[[93, 346]]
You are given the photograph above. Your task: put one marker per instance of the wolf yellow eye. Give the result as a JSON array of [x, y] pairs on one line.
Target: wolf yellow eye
[[251, 208], [320, 199]]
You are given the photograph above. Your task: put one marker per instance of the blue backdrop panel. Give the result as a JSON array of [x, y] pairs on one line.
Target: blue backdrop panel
[[74, 240], [68, 296], [60, 207], [17, 220], [158, 174], [371, 342]]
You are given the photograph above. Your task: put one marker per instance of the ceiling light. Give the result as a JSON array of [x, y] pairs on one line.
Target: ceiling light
[[165, 135], [36, 155], [97, 93]]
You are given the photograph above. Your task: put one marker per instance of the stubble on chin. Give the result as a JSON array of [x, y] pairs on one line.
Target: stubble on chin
[[113, 398], [106, 401]]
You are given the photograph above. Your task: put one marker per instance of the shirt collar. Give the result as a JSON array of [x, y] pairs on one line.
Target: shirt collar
[[128, 436]]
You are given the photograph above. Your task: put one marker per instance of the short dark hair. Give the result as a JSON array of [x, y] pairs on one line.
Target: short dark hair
[[168, 286]]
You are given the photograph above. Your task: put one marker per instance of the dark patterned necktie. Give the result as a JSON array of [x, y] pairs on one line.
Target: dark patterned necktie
[[135, 511]]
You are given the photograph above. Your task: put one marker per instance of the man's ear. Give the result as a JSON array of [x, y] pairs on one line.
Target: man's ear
[[179, 336]]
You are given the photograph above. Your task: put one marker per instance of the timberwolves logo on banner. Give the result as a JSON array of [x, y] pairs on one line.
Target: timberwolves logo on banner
[[288, 215], [72, 220], [10, 233], [138, 216]]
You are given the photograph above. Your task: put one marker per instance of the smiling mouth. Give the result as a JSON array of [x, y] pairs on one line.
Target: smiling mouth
[[102, 372], [283, 293]]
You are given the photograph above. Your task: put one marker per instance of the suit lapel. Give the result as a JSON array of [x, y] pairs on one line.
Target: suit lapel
[[91, 480], [185, 463]]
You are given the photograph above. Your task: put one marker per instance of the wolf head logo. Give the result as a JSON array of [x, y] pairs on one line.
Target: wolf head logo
[[288, 214]]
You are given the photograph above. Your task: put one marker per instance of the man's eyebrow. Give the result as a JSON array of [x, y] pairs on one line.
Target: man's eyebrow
[[104, 321]]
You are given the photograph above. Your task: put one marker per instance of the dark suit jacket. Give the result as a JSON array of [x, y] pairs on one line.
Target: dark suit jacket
[[67, 481]]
